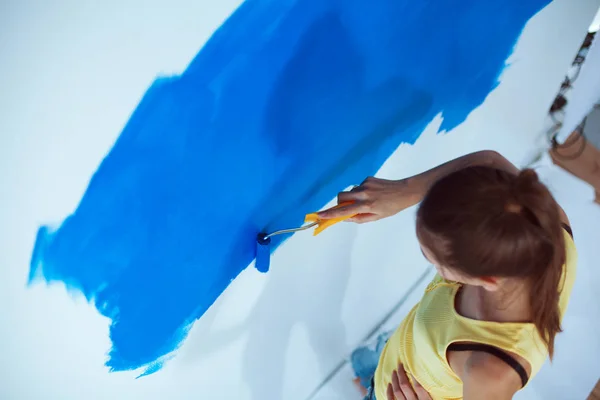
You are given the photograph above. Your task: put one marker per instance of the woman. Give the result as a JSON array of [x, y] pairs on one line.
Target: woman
[[506, 261]]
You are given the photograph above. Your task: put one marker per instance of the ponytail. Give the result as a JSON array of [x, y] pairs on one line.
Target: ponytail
[[545, 275]]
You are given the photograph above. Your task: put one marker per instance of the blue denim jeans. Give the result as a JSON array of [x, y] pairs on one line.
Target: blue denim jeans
[[365, 359]]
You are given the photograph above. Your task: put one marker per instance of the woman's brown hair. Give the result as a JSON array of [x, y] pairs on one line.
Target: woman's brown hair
[[485, 222]]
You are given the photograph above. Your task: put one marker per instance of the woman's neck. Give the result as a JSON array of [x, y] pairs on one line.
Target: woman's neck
[[510, 303]]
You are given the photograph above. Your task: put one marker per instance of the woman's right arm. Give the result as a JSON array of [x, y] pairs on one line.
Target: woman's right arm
[[377, 198]]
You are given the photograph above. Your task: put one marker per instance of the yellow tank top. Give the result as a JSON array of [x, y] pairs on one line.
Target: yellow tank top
[[421, 340]]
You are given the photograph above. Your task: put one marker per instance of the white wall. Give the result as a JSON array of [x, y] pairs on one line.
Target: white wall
[[274, 336]]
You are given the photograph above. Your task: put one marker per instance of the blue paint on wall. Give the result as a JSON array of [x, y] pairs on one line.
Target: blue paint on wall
[[288, 103]]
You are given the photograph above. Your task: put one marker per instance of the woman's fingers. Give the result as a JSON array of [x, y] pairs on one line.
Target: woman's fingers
[[402, 389], [362, 218], [420, 391], [376, 198], [355, 195], [342, 211], [401, 384], [392, 396]]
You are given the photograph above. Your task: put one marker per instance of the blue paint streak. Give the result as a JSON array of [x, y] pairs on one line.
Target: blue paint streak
[[288, 103]]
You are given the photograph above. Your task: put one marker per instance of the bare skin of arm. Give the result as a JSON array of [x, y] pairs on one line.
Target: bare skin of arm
[[486, 377], [378, 198]]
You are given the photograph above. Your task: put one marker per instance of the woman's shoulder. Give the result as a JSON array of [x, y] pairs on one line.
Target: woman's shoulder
[[487, 374]]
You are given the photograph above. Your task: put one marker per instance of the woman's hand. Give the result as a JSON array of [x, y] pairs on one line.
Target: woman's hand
[[374, 199], [401, 389]]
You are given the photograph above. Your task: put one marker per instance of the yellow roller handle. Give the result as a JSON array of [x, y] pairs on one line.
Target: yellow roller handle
[[326, 223]]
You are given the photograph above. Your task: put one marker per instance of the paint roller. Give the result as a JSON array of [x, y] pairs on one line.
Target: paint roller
[[263, 240]]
